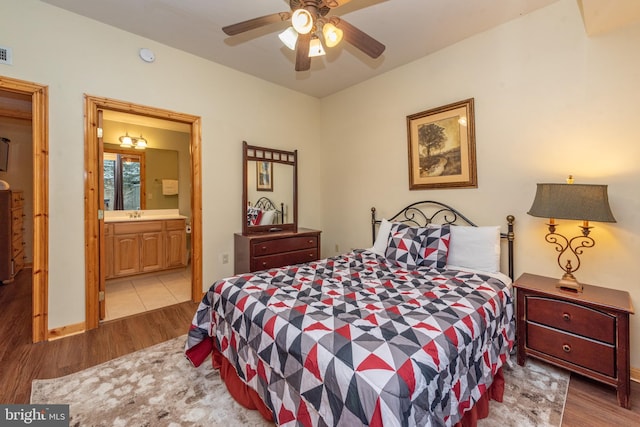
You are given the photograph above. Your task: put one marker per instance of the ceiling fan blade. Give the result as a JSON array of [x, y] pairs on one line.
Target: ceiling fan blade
[[252, 24], [303, 61], [335, 3], [358, 38]]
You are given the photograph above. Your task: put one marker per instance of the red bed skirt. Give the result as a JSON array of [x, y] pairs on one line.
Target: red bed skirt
[[248, 398]]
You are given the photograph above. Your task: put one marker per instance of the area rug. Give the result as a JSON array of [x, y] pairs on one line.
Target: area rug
[[158, 386]]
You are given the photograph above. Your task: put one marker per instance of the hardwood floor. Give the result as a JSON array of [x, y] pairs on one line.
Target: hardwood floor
[[22, 361], [588, 403]]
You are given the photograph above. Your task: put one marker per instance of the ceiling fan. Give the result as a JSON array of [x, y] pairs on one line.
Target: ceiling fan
[[310, 25]]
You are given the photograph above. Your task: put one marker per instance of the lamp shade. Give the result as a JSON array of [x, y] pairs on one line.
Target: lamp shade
[[315, 48], [586, 202], [302, 21], [332, 34], [289, 37]]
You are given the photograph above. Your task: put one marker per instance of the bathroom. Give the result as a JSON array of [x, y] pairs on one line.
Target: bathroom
[[146, 183]]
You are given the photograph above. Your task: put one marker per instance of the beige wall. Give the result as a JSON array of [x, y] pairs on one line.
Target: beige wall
[[76, 56], [549, 102]]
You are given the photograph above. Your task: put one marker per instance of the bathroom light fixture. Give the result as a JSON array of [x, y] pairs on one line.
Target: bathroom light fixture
[[586, 202], [141, 143], [127, 142]]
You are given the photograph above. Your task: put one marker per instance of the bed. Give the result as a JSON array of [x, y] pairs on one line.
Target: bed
[[265, 212], [392, 335]]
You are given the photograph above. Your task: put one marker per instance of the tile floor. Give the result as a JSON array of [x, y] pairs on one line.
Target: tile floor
[[135, 294]]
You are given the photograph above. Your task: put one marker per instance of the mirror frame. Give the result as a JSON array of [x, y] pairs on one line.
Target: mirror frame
[[255, 153]]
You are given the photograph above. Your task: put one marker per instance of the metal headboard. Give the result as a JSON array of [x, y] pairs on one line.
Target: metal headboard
[[266, 204], [423, 213]]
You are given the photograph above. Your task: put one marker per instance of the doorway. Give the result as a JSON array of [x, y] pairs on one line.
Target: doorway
[[39, 116], [94, 224]]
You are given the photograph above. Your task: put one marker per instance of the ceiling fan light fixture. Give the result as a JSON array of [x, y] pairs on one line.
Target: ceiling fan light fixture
[[315, 47], [332, 34], [289, 37], [302, 21]]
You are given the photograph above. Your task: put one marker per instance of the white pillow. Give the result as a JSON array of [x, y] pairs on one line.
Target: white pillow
[[382, 239], [476, 248], [267, 217]]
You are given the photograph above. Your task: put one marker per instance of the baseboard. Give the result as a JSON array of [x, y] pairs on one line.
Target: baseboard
[[65, 331]]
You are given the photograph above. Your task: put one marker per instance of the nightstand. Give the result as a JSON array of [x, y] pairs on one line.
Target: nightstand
[[585, 332]]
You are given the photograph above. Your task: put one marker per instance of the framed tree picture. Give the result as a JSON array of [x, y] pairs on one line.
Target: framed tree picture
[[264, 176], [442, 147]]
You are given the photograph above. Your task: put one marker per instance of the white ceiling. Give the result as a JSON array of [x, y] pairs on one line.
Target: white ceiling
[[410, 29]]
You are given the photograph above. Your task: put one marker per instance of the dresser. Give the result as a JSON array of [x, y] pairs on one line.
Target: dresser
[[264, 250], [585, 332], [11, 234]]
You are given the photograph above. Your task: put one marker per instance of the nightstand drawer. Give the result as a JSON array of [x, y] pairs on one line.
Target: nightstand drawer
[[572, 318], [590, 354], [289, 244], [280, 260]]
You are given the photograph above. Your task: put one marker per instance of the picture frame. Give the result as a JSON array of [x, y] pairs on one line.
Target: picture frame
[[442, 147], [264, 176]]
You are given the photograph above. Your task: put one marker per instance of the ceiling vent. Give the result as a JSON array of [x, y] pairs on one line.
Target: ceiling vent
[[6, 56]]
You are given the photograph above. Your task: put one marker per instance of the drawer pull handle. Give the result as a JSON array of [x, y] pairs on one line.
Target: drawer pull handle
[[566, 316], [566, 348], [310, 241], [264, 248]]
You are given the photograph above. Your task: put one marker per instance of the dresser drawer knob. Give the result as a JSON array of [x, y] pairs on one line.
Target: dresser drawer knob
[[566, 348], [264, 248], [310, 241], [566, 316]]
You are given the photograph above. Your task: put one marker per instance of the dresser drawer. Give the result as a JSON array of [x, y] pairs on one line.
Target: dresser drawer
[[16, 215], [280, 260], [580, 351], [17, 199], [572, 318], [288, 244], [16, 248]]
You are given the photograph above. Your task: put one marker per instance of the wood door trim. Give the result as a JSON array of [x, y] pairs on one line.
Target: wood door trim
[[40, 140], [92, 180]]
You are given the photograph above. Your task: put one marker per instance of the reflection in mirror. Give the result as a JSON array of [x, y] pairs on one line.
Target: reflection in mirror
[[280, 199], [164, 163], [129, 176], [269, 197], [123, 180]]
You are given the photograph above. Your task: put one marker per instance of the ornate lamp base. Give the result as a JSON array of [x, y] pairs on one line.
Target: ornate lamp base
[[569, 282]]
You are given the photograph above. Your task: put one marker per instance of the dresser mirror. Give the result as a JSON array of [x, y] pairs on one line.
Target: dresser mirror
[[270, 182]]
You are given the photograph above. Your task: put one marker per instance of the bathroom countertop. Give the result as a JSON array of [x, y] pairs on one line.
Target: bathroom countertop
[[145, 215]]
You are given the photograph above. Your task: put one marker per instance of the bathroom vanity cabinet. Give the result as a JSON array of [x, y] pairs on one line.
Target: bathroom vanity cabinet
[[135, 247]]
